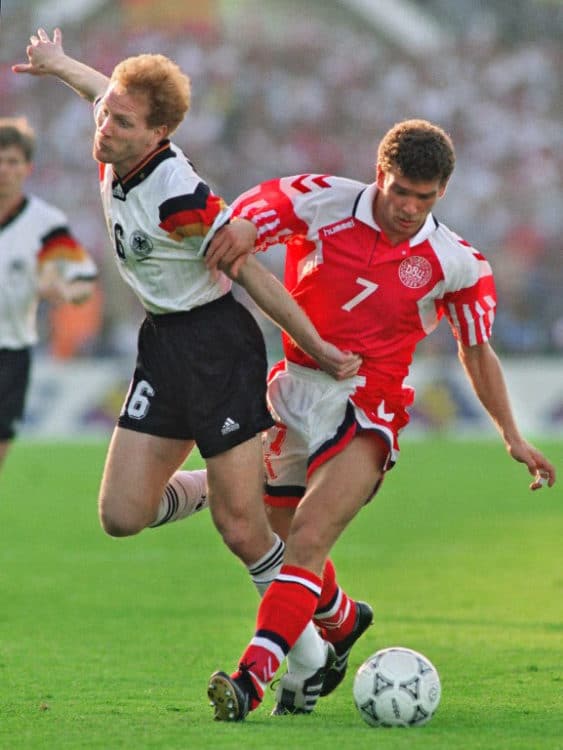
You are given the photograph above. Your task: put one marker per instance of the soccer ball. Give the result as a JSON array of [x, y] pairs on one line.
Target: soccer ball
[[397, 687]]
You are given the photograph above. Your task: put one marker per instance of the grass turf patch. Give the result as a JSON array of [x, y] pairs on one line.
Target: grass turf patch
[[108, 643]]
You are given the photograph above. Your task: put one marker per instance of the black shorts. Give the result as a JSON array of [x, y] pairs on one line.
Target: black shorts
[[200, 375], [15, 365]]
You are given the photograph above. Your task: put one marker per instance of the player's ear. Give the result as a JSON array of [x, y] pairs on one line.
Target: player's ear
[[162, 131], [379, 176], [442, 190]]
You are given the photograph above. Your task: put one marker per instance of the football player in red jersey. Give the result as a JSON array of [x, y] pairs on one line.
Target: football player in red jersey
[[375, 271], [39, 259], [201, 369]]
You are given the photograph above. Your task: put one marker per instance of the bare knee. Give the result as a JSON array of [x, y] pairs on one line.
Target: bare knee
[[118, 521], [248, 537], [238, 535]]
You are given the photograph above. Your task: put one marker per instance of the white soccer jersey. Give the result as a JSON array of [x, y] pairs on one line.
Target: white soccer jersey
[[157, 216], [36, 234]]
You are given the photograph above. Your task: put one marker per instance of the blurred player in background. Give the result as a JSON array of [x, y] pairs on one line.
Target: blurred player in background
[[201, 368], [39, 259], [375, 271]]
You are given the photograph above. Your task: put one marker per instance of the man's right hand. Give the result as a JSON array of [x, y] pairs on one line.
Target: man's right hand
[[337, 363], [42, 54]]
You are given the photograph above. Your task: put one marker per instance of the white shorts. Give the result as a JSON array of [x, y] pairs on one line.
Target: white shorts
[[315, 418]]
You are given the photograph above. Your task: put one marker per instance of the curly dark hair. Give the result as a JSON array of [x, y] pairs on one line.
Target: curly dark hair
[[419, 150]]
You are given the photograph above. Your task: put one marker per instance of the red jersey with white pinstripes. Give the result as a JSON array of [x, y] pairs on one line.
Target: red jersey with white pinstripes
[[361, 292]]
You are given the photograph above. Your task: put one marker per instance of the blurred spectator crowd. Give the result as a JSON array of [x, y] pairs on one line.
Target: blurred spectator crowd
[[271, 98]]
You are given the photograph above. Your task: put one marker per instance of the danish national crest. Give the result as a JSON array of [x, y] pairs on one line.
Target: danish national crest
[[415, 272]]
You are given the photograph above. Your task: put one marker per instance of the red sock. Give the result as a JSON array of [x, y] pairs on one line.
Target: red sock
[[336, 612], [285, 610]]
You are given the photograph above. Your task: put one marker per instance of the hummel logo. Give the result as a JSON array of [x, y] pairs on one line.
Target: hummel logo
[[229, 426]]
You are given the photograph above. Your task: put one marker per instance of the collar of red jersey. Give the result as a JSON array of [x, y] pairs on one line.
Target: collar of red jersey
[[364, 212]]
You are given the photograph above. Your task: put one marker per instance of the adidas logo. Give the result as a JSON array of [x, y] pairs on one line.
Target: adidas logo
[[229, 426], [118, 191]]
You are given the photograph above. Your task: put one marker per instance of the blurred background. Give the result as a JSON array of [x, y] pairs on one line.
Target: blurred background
[[283, 87]]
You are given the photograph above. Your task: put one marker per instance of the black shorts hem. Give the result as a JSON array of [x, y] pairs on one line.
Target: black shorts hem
[[126, 424], [235, 439]]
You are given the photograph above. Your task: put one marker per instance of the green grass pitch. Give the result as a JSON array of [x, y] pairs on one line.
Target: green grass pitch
[[108, 643]]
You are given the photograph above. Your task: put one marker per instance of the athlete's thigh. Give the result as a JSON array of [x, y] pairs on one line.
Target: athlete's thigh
[[235, 480], [286, 453], [314, 420], [335, 493], [137, 468]]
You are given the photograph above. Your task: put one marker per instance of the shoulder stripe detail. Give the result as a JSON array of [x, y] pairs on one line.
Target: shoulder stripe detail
[[60, 232], [59, 244], [191, 215], [300, 182], [186, 202]]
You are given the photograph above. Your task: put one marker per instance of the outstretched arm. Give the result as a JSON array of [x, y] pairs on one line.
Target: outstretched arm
[[271, 296], [47, 57], [484, 372]]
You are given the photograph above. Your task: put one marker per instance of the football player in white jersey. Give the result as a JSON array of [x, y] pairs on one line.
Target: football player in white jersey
[[39, 258], [375, 271], [201, 367]]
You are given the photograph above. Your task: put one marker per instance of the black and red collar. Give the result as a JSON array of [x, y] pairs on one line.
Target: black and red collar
[[121, 186]]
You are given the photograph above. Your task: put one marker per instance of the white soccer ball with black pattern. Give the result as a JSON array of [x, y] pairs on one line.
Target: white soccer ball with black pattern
[[397, 687]]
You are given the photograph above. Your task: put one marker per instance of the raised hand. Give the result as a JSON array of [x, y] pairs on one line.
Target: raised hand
[[42, 54]]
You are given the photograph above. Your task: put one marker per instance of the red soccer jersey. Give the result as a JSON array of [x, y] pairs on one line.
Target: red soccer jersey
[[361, 293]]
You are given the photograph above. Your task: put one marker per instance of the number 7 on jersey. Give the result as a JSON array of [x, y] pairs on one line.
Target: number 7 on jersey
[[369, 288]]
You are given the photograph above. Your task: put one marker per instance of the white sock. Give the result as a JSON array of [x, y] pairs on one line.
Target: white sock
[[185, 494], [309, 652], [264, 570]]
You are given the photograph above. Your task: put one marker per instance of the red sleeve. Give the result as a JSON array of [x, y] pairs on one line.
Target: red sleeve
[[271, 210], [471, 311]]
